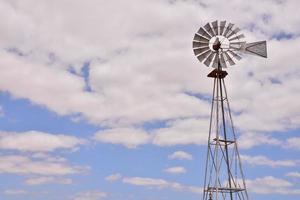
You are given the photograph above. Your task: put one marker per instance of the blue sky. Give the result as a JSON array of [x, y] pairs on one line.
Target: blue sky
[[105, 100]]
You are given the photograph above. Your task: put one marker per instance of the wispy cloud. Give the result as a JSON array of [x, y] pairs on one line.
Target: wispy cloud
[[262, 160], [272, 185], [113, 177], [48, 180], [181, 155], [175, 170], [90, 195], [17, 164], [15, 192], [293, 174], [160, 184], [36, 141]]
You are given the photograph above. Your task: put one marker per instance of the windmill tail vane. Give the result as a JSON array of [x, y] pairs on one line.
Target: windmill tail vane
[[219, 45]]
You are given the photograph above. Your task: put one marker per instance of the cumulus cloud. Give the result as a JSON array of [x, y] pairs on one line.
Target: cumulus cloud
[[250, 140], [90, 195], [262, 160], [129, 137], [35, 141], [175, 170], [271, 185], [149, 72], [48, 180], [293, 143], [182, 132], [160, 184], [181, 155], [23, 165]]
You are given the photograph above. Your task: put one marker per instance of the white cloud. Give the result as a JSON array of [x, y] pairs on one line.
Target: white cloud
[[113, 177], [48, 180], [181, 155], [250, 140], [35, 141], [15, 164], [175, 170], [293, 174], [15, 192], [90, 195], [262, 160], [161, 184], [293, 143], [127, 90], [128, 137], [271, 185], [186, 131]]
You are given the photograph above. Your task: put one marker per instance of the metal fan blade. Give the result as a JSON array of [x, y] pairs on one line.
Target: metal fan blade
[[203, 33], [228, 58], [200, 50], [228, 28], [209, 29], [215, 62], [235, 31], [200, 38], [209, 59], [199, 44], [222, 61], [237, 37], [204, 55], [257, 48], [222, 26], [215, 26], [236, 56], [237, 45]]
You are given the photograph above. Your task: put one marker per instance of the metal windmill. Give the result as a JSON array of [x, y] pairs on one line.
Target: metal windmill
[[218, 45]]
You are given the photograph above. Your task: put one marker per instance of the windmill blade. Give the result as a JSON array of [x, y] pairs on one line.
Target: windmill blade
[[222, 26], [228, 58], [215, 62], [237, 45], [228, 28], [235, 31], [236, 56], [257, 48], [203, 33], [199, 44], [209, 29], [200, 50], [200, 38], [209, 59], [222, 61], [215, 26], [237, 37], [204, 55]]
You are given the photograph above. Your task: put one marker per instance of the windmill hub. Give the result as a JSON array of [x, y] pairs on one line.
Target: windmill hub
[[218, 42]]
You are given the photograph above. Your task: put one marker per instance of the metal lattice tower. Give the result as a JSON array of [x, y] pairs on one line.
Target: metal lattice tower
[[217, 45]]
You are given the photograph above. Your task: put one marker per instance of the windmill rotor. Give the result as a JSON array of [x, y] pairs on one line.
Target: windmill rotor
[[220, 44]]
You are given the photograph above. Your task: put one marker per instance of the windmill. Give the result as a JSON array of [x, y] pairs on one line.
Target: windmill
[[220, 45]]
